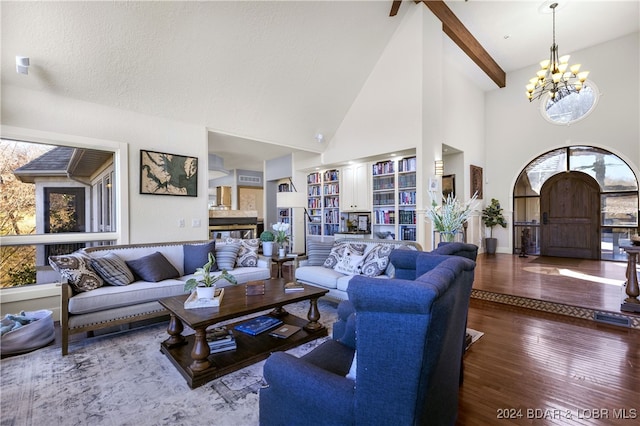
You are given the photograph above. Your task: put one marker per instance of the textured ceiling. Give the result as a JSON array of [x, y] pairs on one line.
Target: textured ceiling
[[277, 72]]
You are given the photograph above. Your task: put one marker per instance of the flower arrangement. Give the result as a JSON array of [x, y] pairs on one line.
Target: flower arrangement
[[449, 217], [207, 280], [281, 229]]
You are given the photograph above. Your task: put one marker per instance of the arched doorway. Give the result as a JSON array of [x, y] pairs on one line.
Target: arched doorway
[[570, 206], [617, 189]]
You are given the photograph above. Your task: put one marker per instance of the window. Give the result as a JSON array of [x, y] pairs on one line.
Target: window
[[58, 197], [618, 196], [570, 107]]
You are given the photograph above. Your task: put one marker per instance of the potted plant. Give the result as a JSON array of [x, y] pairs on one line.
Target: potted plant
[[282, 238], [448, 218], [492, 216], [205, 286], [267, 239]]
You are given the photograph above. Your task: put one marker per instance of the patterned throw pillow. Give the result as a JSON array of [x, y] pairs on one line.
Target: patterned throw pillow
[[196, 255], [340, 250], [226, 255], [153, 268], [248, 253], [76, 268], [318, 252], [113, 269], [377, 260], [351, 260]]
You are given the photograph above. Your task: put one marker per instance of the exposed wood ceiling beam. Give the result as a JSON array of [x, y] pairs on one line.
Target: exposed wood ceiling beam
[[461, 36], [394, 7]]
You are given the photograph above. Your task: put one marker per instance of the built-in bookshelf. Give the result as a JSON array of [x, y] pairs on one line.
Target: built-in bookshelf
[[323, 195], [394, 199], [284, 215]]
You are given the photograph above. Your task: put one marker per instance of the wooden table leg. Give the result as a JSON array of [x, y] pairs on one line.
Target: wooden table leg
[[313, 316], [175, 329], [200, 352]]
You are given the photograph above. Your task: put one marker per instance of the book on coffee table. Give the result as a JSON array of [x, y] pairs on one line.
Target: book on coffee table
[[258, 325], [293, 286], [193, 302], [284, 331], [220, 339]]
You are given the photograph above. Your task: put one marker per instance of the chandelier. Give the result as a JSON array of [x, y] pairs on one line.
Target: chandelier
[[556, 76]]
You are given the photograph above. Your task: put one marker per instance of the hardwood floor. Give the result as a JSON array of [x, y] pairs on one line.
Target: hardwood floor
[[533, 367]]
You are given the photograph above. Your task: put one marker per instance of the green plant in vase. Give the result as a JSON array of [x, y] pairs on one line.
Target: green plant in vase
[[282, 238], [207, 280], [449, 217], [491, 217], [267, 239]]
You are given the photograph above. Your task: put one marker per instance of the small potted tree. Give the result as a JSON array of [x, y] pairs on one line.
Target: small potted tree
[[267, 239], [492, 216]]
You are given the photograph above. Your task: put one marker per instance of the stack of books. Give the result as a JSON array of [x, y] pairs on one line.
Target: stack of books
[[258, 325], [292, 287], [220, 340]]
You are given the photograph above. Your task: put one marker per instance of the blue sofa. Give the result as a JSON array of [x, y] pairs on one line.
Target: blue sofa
[[406, 357]]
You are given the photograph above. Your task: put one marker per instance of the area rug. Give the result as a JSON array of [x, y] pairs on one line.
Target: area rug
[[124, 379]]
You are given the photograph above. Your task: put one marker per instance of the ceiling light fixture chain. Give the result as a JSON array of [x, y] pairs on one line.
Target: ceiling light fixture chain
[[556, 76]]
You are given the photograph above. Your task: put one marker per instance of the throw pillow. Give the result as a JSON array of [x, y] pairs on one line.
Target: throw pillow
[[377, 260], [354, 366], [112, 269], [318, 252], [336, 253], [196, 255], [76, 269], [226, 255], [153, 268], [248, 253], [351, 261]]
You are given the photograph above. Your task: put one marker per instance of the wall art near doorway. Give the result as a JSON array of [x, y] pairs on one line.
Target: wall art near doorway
[[448, 186], [476, 181], [168, 174]]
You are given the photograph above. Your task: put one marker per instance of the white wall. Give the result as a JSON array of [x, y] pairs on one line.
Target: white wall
[[152, 218], [516, 133]]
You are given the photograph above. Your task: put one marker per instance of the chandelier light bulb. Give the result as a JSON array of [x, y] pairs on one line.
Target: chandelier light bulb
[[557, 77]]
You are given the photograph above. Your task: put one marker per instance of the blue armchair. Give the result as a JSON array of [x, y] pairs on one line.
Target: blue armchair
[[407, 353]]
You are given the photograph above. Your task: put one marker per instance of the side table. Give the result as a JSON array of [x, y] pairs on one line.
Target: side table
[[280, 260], [631, 303]]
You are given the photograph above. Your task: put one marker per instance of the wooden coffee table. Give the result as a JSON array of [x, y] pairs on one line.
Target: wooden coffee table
[[190, 354]]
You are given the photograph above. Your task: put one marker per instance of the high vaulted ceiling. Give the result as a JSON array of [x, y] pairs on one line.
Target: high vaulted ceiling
[[276, 72]]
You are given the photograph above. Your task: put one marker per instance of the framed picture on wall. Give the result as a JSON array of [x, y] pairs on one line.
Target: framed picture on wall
[[448, 185], [168, 174], [476, 181]]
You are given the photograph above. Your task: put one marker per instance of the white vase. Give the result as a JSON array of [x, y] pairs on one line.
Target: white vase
[[267, 248], [281, 252], [206, 292]]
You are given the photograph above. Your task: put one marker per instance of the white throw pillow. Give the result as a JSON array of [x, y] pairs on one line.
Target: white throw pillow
[[350, 263], [354, 366]]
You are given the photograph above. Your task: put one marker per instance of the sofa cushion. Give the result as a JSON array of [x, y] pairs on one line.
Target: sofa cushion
[[196, 255], [154, 267], [318, 275], [376, 261], [351, 260], [248, 253], [112, 269], [339, 250], [76, 269], [226, 255], [318, 252]]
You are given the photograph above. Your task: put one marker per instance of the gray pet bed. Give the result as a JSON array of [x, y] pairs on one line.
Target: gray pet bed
[[29, 337]]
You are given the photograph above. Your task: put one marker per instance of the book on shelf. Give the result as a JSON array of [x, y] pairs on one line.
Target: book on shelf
[[193, 302], [258, 325], [284, 331], [292, 287]]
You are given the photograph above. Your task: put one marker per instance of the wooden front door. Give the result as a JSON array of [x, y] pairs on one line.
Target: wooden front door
[[570, 210]]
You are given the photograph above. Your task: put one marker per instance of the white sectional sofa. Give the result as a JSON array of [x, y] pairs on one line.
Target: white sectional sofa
[[134, 289], [331, 263]]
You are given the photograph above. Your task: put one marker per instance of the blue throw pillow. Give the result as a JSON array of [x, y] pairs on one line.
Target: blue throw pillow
[[196, 255], [153, 268]]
